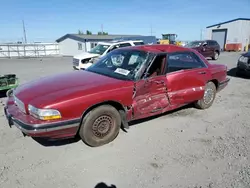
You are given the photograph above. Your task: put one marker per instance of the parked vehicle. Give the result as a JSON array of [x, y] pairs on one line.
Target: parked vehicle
[[8, 81], [170, 38], [86, 59], [208, 48], [125, 85], [243, 64]]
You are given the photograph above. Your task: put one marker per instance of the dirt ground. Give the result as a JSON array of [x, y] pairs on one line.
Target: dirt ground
[[188, 148]]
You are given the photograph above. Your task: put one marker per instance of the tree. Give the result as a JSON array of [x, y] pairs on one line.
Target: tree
[[80, 32], [88, 32], [102, 33]]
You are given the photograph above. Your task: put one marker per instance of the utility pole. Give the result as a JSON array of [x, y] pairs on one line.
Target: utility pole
[[24, 33], [201, 35], [102, 27]]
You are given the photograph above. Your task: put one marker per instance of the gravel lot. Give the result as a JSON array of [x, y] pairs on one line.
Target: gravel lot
[[188, 148]]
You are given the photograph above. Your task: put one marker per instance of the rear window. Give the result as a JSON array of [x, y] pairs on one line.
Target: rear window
[[213, 43], [183, 60], [138, 43]]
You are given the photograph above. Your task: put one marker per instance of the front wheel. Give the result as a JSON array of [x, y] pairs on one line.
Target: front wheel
[[208, 98], [100, 126]]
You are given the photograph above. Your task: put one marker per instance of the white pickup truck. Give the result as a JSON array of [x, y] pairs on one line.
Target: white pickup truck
[[84, 60]]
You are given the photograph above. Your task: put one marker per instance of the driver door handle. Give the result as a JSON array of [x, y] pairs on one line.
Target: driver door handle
[[159, 82], [202, 72]]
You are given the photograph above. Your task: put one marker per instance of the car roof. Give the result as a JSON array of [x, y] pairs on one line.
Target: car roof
[[198, 40], [120, 42], [203, 40], [159, 48], [125, 41]]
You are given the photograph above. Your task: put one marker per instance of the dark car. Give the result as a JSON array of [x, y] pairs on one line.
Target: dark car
[[243, 65], [208, 48]]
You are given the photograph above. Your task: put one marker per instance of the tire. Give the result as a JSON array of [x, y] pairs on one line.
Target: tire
[[100, 126], [216, 55], [210, 89]]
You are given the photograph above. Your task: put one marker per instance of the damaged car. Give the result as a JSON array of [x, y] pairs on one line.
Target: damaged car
[[127, 84]]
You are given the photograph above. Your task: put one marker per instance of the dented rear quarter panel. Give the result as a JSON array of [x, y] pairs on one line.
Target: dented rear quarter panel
[[218, 71]]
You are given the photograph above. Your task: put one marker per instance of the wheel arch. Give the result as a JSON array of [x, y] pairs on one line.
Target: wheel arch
[[218, 51], [117, 105], [216, 83]]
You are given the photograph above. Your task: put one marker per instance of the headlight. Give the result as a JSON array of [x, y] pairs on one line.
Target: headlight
[[243, 59], [44, 114]]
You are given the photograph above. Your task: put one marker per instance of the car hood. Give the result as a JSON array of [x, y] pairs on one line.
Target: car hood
[[247, 54], [85, 55], [55, 89]]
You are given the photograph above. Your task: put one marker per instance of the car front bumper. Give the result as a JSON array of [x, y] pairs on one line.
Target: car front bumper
[[53, 130], [243, 67]]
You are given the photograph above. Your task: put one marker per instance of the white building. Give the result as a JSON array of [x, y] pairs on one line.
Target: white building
[[73, 44], [232, 31]]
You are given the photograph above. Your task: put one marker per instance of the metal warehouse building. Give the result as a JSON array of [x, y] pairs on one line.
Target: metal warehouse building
[[73, 44], [232, 31]]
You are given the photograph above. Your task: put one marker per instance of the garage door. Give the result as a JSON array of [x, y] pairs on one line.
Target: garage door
[[220, 37]]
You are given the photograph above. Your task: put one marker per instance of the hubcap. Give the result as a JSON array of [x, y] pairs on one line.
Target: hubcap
[[208, 96], [216, 55], [102, 126]]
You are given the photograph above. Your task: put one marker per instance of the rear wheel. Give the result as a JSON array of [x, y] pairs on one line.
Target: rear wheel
[[100, 126], [216, 55], [208, 98]]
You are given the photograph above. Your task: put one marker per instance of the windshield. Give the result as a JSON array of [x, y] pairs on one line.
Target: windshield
[[122, 64], [194, 44], [99, 49]]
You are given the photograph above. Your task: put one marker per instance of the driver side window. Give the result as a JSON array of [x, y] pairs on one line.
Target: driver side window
[[157, 68]]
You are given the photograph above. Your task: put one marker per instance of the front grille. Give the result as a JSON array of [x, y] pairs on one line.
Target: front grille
[[19, 104], [75, 62]]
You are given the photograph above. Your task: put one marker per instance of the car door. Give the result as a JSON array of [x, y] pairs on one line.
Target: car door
[[210, 49], [204, 49], [150, 96], [187, 76]]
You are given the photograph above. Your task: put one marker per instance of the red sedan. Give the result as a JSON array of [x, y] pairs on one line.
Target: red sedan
[[127, 84]]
